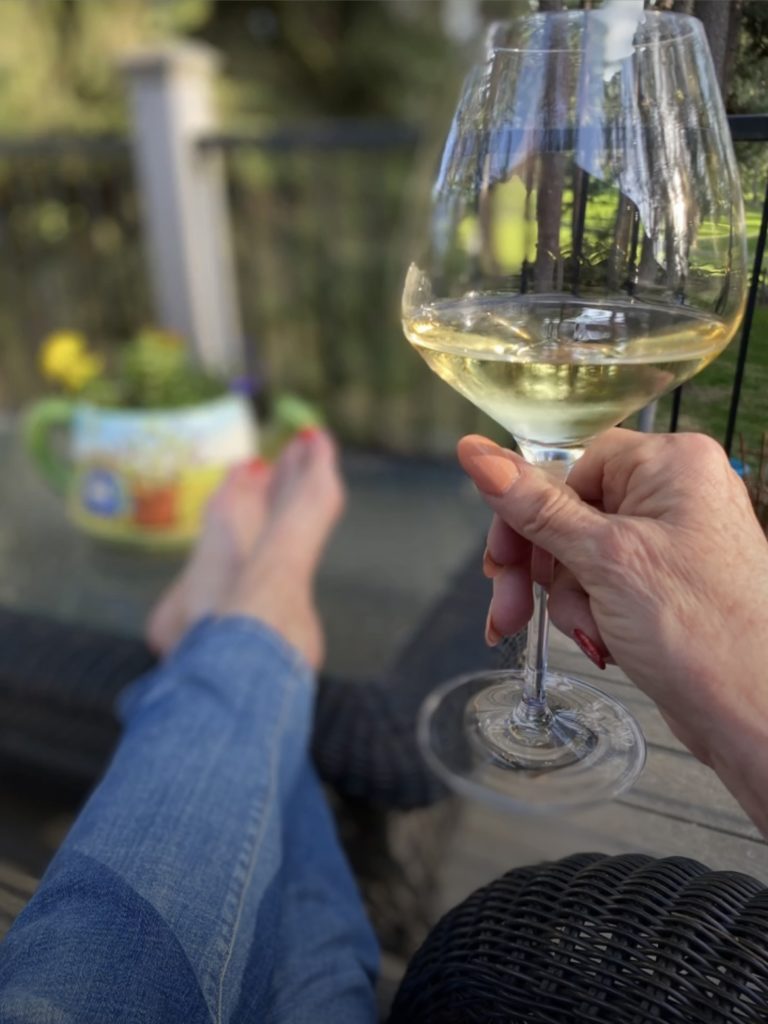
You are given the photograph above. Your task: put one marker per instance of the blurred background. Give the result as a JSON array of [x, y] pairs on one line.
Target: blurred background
[[328, 118]]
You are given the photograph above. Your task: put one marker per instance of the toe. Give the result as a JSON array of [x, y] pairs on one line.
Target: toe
[[315, 498]]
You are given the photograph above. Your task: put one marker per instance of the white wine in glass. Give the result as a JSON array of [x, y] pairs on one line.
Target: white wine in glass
[[558, 373], [586, 254]]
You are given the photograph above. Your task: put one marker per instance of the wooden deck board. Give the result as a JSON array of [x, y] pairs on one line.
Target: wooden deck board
[[678, 807]]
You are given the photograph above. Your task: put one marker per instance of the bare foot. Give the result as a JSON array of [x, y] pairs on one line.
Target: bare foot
[[275, 582], [233, 520]]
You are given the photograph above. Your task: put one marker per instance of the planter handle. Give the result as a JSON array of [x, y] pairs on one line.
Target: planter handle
[[38, 424]]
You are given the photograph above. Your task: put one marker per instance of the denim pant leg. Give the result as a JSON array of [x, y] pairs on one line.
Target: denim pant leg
[[326, 958], [169, 885]]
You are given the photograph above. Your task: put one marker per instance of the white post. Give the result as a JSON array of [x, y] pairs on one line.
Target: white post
[[183, 198], [646, 419], [461, 19]]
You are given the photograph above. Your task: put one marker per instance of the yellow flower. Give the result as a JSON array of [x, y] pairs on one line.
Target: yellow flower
[[65, 359], [59, 351], [81, 371]]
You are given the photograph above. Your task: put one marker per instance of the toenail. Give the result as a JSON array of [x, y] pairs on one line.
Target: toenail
[[307, 433], [256, 466]]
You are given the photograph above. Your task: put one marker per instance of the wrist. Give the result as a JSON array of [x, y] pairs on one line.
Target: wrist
[[739, 756]]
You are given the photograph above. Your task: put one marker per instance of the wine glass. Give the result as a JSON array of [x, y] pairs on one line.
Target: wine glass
[[586, 254]]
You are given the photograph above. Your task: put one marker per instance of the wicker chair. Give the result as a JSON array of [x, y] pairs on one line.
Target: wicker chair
[[592, 939]]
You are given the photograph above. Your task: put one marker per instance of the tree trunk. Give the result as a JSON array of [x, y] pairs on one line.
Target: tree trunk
[[549, 204], [551, 170], [678, 6], [721, 20]]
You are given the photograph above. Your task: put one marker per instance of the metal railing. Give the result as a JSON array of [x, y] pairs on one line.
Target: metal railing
[[288, 156], [71, 252], [318, 216], [320, 213], [744, 128]]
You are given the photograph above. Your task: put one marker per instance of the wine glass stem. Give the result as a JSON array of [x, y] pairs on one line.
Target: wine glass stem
[[534, 703], [533, 708]]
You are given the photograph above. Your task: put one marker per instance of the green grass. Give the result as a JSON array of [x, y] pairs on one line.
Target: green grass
[[706, 399]]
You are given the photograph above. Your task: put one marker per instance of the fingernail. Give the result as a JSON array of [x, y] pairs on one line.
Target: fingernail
[[491, 567], [491, 467], [593, 651], [492, 635]]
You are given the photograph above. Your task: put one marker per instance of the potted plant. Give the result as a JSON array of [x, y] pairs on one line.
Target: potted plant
[[149, 436]]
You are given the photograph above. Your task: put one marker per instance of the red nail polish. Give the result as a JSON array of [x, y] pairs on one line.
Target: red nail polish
[[256, 466], [593, 651]]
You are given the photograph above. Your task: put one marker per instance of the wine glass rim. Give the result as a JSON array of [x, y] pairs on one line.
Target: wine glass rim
[[542, 16]]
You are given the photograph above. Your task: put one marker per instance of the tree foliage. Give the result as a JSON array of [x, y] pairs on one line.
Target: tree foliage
[[288, 58], [58, 60]]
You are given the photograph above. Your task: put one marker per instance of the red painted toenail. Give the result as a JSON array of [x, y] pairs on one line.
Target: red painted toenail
[[307, 433], [256, 466]]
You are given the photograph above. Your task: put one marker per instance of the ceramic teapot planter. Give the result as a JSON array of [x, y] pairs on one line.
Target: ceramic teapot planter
[[141, 476]]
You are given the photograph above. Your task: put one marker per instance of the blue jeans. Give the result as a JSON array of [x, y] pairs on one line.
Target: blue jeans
[[203, 880]]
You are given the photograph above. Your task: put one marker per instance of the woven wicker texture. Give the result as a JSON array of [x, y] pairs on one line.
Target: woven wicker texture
[[57, 686], [625, 940], [365, 735]]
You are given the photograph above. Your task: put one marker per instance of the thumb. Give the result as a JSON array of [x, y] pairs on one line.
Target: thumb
[[539, 508]]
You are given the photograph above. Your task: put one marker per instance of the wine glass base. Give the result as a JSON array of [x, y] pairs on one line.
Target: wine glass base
[[481, 738], [550, 741]]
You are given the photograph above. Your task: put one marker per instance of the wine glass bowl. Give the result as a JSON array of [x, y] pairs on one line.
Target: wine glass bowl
[[587, 228], [585, 254]]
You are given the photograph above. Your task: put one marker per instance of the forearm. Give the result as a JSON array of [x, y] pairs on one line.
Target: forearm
[[188, 819], [715, 697], [740, 758]]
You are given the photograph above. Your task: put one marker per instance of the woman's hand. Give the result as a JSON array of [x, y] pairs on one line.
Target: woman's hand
[[661, 565]]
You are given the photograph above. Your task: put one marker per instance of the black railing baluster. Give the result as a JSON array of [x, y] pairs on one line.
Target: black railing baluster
[[746, 329], [677, 398], [744, 128], [108, 193], [61, 267], [581, 194]]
